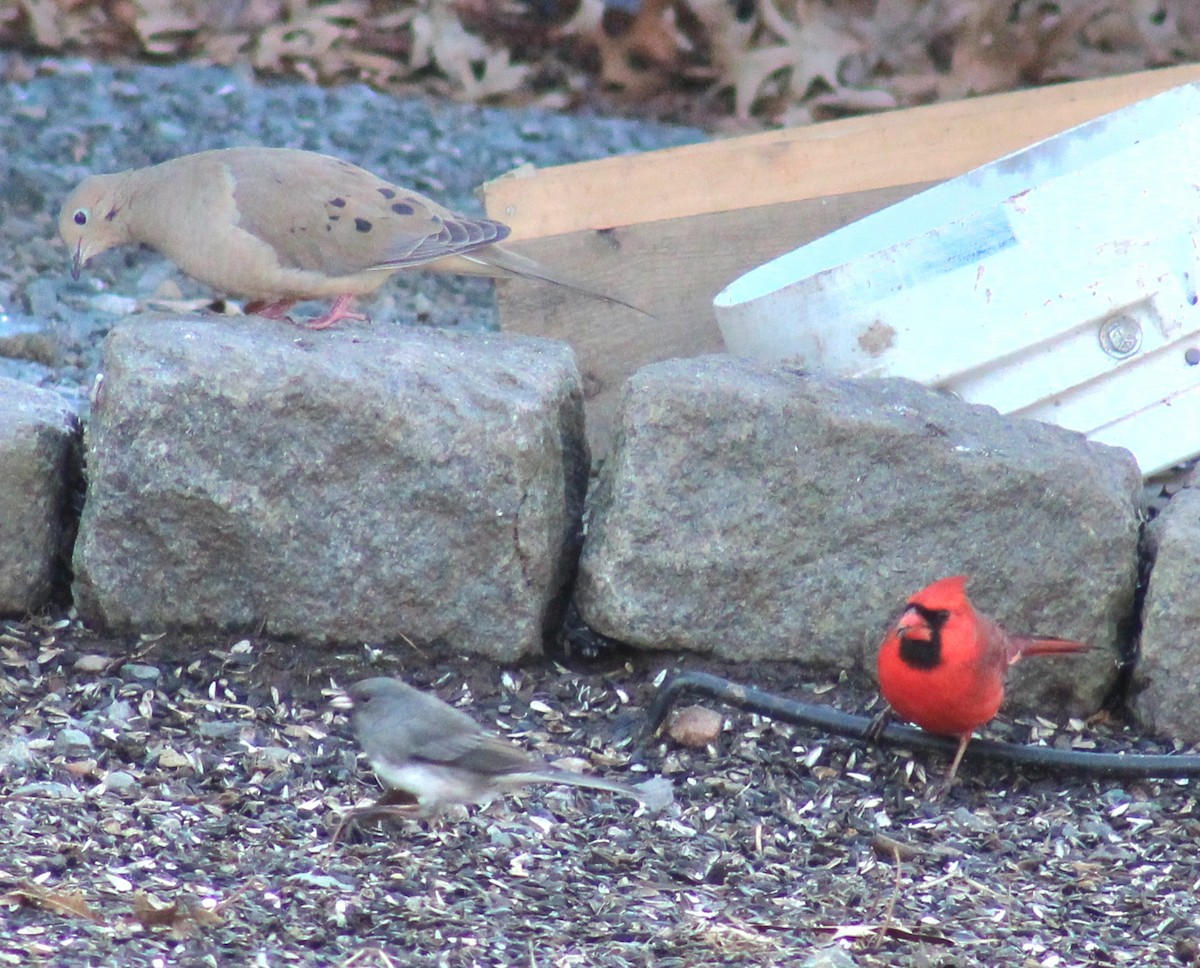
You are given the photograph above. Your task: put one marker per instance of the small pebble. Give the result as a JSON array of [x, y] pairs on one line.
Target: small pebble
[[219, 729], [116, 305], [120, 782], [131, 671], [695, 726], [71, 740], [92, 663]]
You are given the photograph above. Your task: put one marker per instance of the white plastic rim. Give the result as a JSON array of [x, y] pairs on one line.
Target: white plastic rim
[[1057, 283]]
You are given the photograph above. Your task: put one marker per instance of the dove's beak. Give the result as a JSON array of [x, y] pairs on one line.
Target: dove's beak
[[77, 260], [342, 701]]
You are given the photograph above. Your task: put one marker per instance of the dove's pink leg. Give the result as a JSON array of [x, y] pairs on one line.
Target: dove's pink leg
[[274, 310], [278, 310], [337, 312]]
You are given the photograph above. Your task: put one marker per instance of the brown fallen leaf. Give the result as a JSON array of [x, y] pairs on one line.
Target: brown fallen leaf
[[70, 904], [81, 768], [891, 848], [181, 918]]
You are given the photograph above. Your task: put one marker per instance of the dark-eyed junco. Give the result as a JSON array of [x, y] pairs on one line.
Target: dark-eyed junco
[[425, 747]]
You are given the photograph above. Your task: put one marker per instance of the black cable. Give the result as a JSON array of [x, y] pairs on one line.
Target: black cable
[[1126, 765]]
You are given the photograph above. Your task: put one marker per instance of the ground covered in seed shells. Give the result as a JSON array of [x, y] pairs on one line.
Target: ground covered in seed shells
[[170, 801]]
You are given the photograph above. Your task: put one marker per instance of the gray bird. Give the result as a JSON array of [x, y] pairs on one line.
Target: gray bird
[[425, 747]]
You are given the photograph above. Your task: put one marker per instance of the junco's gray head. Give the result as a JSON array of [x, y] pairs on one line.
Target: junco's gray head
[[419, 744]]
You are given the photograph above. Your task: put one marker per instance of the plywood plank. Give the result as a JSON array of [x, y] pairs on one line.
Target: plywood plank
[[672, 269], [930, 143]]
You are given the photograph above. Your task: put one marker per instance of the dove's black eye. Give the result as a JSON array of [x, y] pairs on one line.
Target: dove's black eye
[[81, 217]]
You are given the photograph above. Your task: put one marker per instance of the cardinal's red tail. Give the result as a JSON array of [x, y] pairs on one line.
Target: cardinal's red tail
[[1021, 646]]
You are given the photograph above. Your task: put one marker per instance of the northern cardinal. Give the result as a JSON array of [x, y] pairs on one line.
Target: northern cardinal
[[942, 664]]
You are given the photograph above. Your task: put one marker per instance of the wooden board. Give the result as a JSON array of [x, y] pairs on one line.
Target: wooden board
[[672, 269], [667, 230]]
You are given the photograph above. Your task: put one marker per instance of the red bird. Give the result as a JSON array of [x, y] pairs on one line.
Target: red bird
[[942, 665]]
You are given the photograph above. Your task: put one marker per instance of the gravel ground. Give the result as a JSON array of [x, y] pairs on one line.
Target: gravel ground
[[170, 802], [68, 119]]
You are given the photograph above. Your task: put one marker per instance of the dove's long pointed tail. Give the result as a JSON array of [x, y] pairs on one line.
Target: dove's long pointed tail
[[512, 263]]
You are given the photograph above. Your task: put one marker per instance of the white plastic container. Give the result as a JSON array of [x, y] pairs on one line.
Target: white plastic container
[[1059, 282]]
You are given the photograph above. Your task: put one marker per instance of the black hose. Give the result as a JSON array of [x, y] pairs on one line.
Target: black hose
[[1125, 765]]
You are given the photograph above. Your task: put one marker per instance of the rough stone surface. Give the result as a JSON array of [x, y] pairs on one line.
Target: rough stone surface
[[39, 477], [1165, 680], [755, 512], [333, 487]]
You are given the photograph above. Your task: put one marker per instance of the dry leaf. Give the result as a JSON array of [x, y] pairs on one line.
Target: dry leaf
[[788, 61], [728, 37], [497, 74], [67, 903], [810, 48], [182, 918], [636, 46], [995, 53], [45, 23], [164, 26], [169, 759]]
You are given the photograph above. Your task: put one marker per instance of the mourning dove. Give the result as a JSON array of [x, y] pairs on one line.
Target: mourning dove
[[279, 225]]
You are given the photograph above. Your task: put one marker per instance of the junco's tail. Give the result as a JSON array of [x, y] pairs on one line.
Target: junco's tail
[[655, 794]]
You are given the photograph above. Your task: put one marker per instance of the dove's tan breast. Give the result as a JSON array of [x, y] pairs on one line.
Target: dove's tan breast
[[191, 210]]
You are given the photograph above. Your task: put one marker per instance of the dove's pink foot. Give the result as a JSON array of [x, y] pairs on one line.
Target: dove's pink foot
[[337, 312], [278, 310], [273, 310]]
